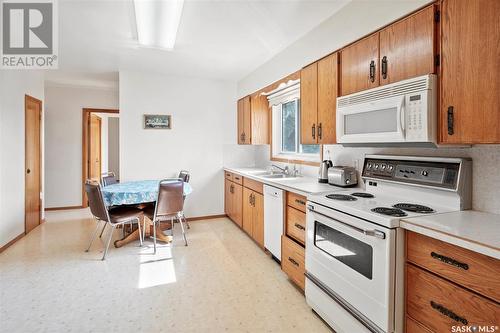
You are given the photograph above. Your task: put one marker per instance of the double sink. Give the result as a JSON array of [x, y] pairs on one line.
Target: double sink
[[272, 175]]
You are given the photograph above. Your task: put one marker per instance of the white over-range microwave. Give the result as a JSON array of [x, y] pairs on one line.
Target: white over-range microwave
[[401, 112]]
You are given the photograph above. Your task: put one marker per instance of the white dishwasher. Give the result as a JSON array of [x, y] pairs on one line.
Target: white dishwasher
[[273, 220]]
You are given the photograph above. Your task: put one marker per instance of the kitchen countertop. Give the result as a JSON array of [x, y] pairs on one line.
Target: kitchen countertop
[[302, 185], [472, 230]]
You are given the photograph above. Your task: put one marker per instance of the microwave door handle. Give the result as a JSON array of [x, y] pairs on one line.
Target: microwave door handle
[[402, 118], [372, 233]]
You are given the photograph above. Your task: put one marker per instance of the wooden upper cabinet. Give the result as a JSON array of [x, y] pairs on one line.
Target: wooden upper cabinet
[[308, 104], [253, 120], [359, 65], [407, 47], [470, 67], [327, 99]]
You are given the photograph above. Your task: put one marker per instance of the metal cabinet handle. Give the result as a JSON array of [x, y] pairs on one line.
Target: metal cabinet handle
[[300, 202], [449, 261], [313, 130], [28, 171], [372, 71], [320, 131], [384, 67], [299, 226], [448, 313], [293, 261], [373, 232], [451, 120]]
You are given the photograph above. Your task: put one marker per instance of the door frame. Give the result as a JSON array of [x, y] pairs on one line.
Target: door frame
[[85, 146], [40, 103]]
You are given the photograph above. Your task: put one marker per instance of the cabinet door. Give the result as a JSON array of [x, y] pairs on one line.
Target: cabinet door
[[258, 219], [247, 121], [470, 88], [327, 98], [241, 117], [237, 201], [228, 196], [259, 108], [309, 104], [247, 210], [359, 65], [407, 47]]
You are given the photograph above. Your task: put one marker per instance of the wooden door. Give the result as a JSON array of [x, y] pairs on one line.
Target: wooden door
[[309, 104], [237, 202], [241, 117], [32, 186], [228, 199], [407, 47], [470, 84], [259, 107], [327, 99], [359, 65], [258, 219], [95, 147], [247, 210]]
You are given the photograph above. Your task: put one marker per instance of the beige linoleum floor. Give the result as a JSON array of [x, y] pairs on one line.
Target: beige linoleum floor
[[221, 282]]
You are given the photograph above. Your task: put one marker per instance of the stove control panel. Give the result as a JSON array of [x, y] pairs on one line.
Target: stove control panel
[[419, 172]]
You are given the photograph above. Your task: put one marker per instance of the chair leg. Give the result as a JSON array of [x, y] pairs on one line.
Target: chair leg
[[140, 232], [103, 228], [181, 217], [94, 234], [187, 223], [154, 236], [144, 228], [108, 242]]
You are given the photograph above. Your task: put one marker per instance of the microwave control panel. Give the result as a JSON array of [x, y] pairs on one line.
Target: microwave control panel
[[416, 117]]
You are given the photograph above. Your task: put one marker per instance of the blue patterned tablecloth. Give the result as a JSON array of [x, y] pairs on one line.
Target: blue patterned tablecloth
[[135, 192]]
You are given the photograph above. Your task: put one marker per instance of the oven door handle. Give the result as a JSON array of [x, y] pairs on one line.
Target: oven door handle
[[372, 233]]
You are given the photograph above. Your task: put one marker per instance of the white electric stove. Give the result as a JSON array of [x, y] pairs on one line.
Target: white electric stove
[[354, 248]]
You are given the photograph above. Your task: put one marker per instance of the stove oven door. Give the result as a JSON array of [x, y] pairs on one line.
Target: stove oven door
[[353, 262]]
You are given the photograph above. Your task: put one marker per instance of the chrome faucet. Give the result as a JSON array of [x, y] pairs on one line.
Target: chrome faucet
[[285, 170]]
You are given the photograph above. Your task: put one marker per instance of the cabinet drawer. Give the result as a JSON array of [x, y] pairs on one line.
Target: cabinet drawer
[[238, 179], [296, 201], [439, 304], [467, 268], [296, 224], [253, 185], [292, 261], [412, 326], [228, 175]]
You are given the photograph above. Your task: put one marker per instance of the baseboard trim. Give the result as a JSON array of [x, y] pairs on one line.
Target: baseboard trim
[[63, 208], [3, 248], [208, 217]]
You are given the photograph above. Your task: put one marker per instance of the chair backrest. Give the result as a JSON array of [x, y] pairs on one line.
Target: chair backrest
[[170, 198], [96, 201], [184, 175], [108, 179]]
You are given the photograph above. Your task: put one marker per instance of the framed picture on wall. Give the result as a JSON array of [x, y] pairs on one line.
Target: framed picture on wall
[[157, 121]]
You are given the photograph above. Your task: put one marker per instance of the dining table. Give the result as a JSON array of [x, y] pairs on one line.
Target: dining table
[[137, 193]]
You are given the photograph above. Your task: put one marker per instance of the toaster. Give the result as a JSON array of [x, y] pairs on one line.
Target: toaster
[[343, 176]]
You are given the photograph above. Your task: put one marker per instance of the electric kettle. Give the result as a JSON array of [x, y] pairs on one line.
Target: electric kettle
[[323, 171]]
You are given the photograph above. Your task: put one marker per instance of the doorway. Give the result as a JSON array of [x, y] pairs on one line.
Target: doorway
[[33, 169], [96, 135]]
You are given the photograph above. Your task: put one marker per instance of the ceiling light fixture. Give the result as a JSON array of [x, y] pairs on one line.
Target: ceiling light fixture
[[157, 22]]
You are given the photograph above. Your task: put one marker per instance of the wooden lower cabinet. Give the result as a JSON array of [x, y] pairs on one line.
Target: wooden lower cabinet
[[293, 261], [233, 201], [412, 326], [253, 215], [296, 224]]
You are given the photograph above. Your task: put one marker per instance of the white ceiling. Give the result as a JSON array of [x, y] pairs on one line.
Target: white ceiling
[[216, 39]]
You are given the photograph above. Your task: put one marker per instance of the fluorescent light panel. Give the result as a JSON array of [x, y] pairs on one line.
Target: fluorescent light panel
[[157, 22]]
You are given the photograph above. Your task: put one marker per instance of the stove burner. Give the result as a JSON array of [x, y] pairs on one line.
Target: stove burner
[[389, 211], [414, 208], [363, 195], [342, 197]]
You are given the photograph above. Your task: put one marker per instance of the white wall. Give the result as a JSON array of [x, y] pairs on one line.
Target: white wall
[[114, 146], [13, 86], [63, 132], [357, 19], [203, 129], [353, 21]]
